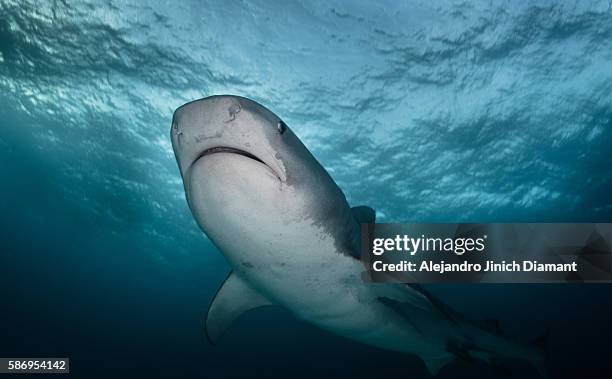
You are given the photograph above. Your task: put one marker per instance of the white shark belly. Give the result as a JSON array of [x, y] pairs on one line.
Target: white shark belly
[[323, 286]]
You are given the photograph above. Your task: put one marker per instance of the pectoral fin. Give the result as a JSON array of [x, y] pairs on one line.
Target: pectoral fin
[[233, 298]]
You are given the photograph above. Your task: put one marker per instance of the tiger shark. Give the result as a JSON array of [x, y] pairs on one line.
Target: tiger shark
[[292, 240]]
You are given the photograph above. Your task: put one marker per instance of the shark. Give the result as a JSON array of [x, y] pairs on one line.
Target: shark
[[292, 240]]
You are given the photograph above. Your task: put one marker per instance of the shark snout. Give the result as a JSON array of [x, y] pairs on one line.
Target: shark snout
[[201, 125], [229, 124]]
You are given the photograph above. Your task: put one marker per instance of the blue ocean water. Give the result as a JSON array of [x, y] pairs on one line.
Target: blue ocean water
[[426, 111]]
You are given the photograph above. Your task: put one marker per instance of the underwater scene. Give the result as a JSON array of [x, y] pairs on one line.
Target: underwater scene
[[427, 112]]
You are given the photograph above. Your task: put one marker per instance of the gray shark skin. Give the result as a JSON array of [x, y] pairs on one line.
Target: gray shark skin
[[289, 235]]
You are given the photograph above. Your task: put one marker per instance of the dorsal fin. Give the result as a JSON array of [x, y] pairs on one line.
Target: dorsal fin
[[233, 298], [364, 214]]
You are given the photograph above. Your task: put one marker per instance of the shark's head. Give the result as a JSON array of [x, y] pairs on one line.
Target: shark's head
[[247, 176]]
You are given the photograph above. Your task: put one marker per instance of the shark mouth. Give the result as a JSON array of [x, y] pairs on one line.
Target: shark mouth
[[232, 150]]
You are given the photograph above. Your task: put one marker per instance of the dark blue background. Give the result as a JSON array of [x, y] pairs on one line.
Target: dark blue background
[[458, 111]]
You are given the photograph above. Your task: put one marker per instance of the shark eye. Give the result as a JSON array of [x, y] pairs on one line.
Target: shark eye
[[281, 127]]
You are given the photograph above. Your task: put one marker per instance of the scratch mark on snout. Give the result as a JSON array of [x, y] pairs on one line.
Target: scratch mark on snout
[[177, 132], [203, 137], [233, 110]]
